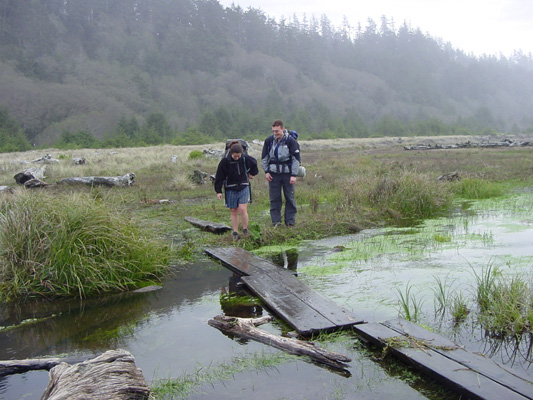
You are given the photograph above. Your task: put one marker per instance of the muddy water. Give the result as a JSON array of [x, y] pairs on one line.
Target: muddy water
[[168, 334]]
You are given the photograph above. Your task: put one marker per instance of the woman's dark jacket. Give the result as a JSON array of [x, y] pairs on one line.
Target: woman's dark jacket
[[234, 174]]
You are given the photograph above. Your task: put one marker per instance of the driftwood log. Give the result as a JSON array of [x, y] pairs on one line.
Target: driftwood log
[[11, 367], [246, 328], [124, 180], [112, 375], [502, 143], [208, 226], [32, 177]]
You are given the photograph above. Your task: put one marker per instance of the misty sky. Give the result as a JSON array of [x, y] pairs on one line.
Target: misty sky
[[474, 26]]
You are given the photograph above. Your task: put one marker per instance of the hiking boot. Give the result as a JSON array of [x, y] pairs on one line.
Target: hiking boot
[[235, 236], [245, 232]]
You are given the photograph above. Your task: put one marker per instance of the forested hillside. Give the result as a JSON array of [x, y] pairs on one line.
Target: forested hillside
[[152, 71]]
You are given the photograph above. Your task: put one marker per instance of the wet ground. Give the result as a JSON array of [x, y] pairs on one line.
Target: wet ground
[[168, 334]]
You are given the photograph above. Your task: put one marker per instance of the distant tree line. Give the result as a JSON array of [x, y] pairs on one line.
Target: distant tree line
[[122, 73]]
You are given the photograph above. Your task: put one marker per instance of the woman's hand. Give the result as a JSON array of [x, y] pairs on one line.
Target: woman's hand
[[219, 196]]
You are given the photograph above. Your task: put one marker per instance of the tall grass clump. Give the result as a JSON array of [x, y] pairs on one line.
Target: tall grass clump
[[410, 194], [477, 189], [72, 245], [506, 305]]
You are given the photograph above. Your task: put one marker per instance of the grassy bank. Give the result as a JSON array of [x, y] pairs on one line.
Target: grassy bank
[[351, 185]]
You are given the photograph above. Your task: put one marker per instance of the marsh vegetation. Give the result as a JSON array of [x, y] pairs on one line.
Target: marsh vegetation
[[352, 188]]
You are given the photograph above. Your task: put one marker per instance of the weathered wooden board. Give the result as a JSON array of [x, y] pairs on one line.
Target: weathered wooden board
[[243, 262], [301, 307], [212, 227], [467, 373], [515, 380]]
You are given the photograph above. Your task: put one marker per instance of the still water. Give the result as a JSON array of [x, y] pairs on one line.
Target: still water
[[167, 330]]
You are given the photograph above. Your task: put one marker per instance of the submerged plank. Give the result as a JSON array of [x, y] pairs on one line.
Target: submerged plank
[[461, 377]]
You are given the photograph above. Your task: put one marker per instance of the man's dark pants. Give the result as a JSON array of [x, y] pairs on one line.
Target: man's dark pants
[[279, 183]]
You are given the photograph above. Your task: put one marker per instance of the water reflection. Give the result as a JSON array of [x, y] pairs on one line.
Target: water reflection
[[287, 259], [236, 301]]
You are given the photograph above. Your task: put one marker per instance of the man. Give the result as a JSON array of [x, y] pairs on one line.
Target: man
[[280, 160]]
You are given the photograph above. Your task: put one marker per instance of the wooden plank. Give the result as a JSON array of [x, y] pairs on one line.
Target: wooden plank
[[302, 308], [514, 380], [212, 227], [453, 374], [243, 262]]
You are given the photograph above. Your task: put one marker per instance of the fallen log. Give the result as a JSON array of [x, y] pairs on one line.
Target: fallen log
[[11, 367], [112, 375], [30, 174], [125, 180], [208, 226], [246, 328]]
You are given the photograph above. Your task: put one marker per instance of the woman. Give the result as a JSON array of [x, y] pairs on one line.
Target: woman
[[234, 173]]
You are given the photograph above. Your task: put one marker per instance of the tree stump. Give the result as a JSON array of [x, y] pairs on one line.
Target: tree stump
[[35, 174], [112, 375], [198, 177]]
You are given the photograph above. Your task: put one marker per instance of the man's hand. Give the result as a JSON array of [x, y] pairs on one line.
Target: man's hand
[[292, 181], [219, 196], [268, 177]]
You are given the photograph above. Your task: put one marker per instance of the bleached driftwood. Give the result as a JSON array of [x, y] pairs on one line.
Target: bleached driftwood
[[125, 180], [30, 173], [47, 159], [11, 367], [246, 328], [112, 375]]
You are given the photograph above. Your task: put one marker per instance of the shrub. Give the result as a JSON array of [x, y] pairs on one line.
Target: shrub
[[195, 154]]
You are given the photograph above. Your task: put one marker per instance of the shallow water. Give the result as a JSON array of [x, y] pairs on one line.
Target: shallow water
[[168, 334]]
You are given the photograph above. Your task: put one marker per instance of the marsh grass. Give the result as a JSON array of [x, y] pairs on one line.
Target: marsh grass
[[351, 185], [505, 303], [185, 385], [72, 245], [476, 188], [410, 307]]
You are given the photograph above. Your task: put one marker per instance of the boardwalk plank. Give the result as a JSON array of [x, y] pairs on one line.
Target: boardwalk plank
[[304, 310], [515, 380], [241, 261], [301, 307], [459, 377]]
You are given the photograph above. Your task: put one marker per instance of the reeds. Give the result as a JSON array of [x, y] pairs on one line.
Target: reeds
[[505, 303], [410, 306], [72, 245]]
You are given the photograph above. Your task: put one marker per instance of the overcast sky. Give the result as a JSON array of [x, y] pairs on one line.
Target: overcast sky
[[474, 26]]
